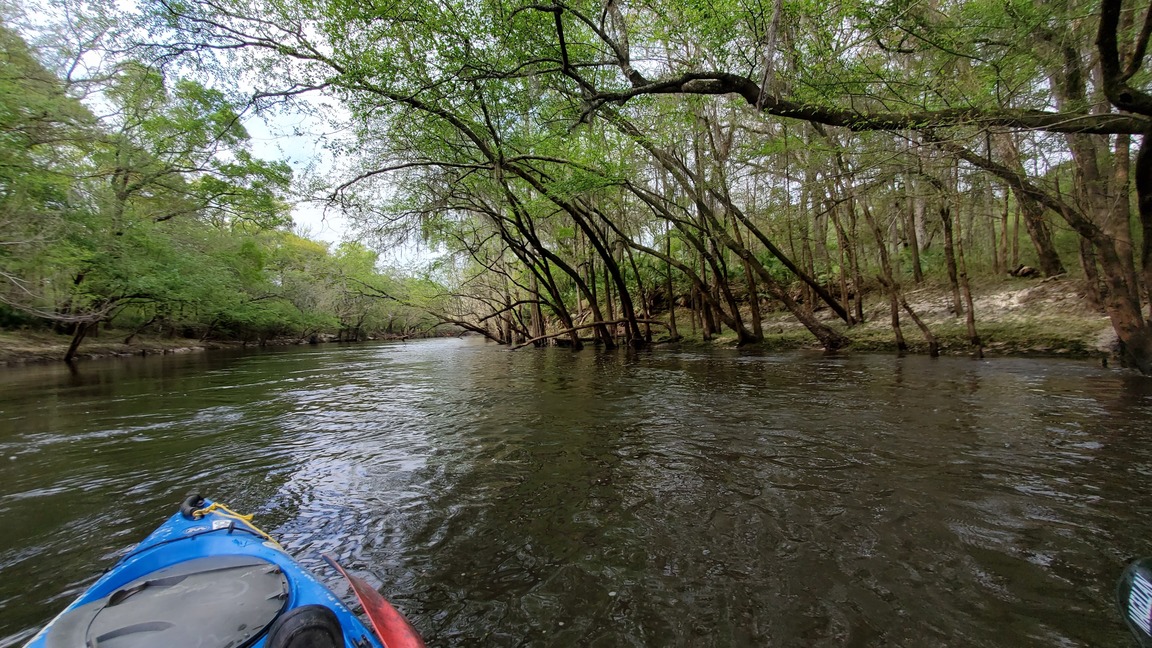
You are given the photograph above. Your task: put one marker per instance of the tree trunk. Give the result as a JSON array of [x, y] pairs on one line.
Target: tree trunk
[[965, 287], [1003, 243], [828, 337], [673, 334], [1144, 209], [887, 279], [723, 289], [812, 285], [1092, 291], [933, 344], [1015, 236], [646, 313], [854, 262], [1118, 219], [1132, 330], [703, 292], [990, 206], [894, 310], [82, 329], [841, 244], [913, 234], [708, 305], [535, 315], [950, 260], [1123, 310], [1033, 212], [753, 295]]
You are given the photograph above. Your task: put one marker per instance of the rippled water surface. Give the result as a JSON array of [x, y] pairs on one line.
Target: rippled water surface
[[546, 498]]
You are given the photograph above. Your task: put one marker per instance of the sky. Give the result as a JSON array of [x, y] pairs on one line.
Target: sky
[[298, 139]]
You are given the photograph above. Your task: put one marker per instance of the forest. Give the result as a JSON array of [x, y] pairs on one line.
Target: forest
[[584, 172], [144, 208]]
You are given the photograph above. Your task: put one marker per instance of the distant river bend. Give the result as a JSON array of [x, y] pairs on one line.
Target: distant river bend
[[664, 498]]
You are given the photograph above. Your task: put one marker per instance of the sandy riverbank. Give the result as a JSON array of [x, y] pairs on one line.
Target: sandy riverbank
[[1013, 317]]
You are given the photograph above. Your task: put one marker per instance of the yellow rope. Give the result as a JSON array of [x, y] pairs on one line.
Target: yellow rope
[[225, 512]]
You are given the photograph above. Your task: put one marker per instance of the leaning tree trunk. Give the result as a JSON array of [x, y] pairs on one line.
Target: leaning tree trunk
[[1125, 312], [1039, 231], [887, 279], [828, 337], [82, 330], [699, 289]]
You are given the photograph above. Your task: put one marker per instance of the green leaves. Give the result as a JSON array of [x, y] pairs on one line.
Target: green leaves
[[537, 143]]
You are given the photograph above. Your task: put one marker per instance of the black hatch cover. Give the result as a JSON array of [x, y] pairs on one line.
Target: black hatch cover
[[215, 602]]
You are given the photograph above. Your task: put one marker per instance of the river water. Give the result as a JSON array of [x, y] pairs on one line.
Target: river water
[[665, 498]]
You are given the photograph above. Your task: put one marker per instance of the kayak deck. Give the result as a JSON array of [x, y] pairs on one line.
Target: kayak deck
[[209, 581]]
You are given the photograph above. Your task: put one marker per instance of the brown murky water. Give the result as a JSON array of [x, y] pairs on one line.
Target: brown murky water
[[545, 498]]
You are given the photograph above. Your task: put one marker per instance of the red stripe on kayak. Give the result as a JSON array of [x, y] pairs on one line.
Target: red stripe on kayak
[[391, 626]]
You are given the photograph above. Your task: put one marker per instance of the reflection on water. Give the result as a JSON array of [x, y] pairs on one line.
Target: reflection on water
[[548, 498]]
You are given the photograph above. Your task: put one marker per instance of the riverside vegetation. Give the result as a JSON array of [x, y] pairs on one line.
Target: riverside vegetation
[[144, 211], [621, 173]]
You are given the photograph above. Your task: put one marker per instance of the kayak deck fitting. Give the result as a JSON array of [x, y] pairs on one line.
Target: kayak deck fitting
[[209, 578]]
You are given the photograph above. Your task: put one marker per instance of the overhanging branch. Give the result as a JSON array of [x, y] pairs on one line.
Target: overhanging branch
[[721, 83]]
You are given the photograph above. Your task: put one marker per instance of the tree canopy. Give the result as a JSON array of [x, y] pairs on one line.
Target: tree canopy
[[145, 207], [587, 165]]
